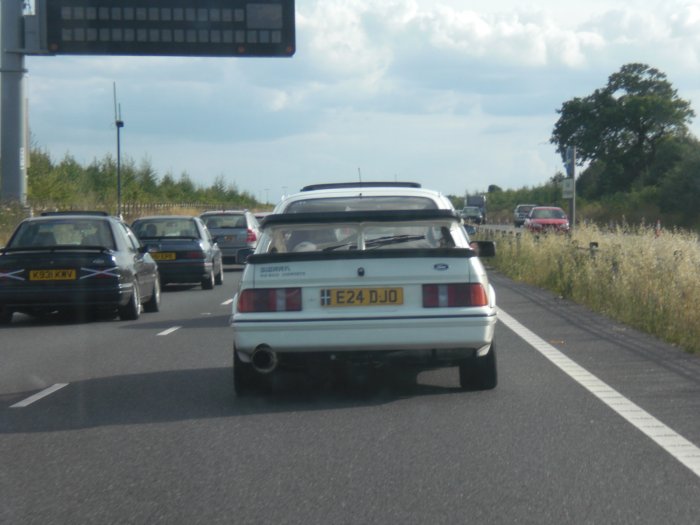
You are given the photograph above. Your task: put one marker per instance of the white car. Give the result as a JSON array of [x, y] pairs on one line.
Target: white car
[[376, 287]]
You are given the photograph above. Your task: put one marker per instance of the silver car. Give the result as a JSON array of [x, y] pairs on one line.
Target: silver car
[[235, 231], [521, 212]]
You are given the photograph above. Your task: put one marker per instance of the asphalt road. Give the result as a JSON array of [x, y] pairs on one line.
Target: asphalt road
[[147, 429]]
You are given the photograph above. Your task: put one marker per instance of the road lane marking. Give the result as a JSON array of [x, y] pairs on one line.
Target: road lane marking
[[669, 440], [169, 330], [39, 395]]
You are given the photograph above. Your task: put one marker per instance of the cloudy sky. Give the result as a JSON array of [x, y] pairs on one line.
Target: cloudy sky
[[454, 94]]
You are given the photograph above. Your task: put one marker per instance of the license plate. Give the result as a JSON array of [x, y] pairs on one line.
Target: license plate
[[361, 296], [52, 275], [163, 256]]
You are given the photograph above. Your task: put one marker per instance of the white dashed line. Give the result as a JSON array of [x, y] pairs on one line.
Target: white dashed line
[[673, 443], [39, 395], [169, 330]]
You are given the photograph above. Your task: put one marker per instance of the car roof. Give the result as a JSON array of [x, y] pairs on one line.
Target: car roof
[[75, 216], [366, 189], [75, 212], [223, 212], [165, 217], [337, 185]]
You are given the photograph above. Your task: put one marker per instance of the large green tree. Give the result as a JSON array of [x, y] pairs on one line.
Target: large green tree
[[618, 129]]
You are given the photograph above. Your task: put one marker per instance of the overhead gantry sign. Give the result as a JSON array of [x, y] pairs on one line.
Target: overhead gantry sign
[[171, 27]]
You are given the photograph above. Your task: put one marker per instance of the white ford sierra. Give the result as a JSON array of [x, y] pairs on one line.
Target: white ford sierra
[[376, 287]]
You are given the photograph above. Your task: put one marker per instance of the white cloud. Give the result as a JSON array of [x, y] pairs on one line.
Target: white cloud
[[454, 93]]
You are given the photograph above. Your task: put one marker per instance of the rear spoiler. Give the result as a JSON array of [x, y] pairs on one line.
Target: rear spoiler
[[57, 248], [359, 216]]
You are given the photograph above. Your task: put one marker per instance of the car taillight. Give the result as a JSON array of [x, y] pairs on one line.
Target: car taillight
[[270, 300], [192, 255], [251, 237], [454, 294]]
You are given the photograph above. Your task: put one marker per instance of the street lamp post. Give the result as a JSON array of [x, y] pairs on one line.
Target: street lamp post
[[119, 123], [571, 172]]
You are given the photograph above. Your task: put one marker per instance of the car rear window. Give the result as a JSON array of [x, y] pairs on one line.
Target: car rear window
[[63, 232], [225, 221], [169, 227], [314, 237], [548, 214]]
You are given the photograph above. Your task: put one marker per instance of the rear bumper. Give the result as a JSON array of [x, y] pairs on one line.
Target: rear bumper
[[424, 333], [235, 254], [190, 272], [65, 297], [422, 359]]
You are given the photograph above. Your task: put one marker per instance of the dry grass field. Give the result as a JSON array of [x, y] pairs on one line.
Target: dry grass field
[[647, 279]]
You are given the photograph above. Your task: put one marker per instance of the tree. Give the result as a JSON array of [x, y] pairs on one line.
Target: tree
[[679, 191], [620, 126]]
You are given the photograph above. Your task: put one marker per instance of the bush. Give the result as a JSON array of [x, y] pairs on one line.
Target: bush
[[10, 216], [636, 276]]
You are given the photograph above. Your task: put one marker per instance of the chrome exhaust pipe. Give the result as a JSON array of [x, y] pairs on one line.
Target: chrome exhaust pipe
[[263, 359]]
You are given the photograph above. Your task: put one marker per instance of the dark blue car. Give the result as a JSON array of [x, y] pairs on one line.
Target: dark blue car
[[184, 249], [76, 261]]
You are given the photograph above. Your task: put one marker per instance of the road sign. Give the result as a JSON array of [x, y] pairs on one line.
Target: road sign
[[171, 27], [570, 161], [567, 188]]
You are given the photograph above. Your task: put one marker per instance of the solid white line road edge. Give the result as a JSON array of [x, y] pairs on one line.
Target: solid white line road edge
[[39, 395], [169, 330], [672, 442]]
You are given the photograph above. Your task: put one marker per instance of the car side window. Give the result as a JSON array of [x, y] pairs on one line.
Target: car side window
[[205, 233], [133, 243]]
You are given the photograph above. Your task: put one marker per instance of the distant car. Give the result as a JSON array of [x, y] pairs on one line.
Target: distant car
[[472, 214], [335, 289], [76, 261], [547, 218], [184, 249], [236, 233], [520, 213]]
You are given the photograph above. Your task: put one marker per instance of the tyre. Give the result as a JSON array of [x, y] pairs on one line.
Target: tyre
[[208, 281], [219, 279], [153, 304], [479, 373], [245, 379], [131, 310]]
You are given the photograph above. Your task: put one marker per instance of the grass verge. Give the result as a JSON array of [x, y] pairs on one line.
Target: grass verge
[[645, 280]]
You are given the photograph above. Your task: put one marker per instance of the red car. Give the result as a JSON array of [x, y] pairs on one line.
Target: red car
[[547, 218]]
